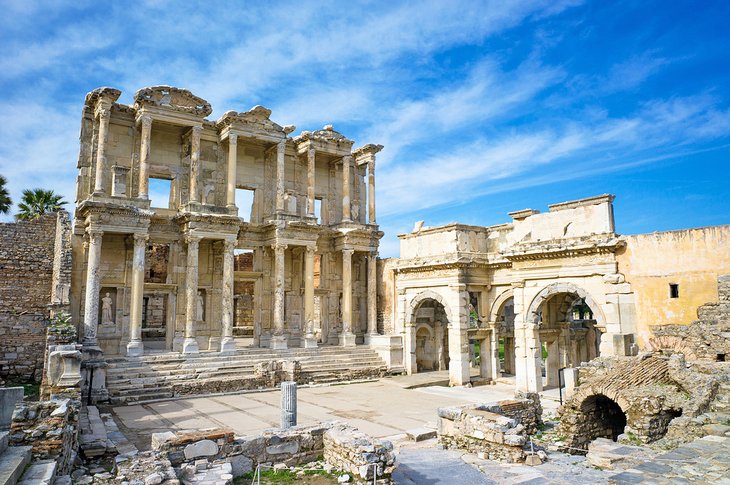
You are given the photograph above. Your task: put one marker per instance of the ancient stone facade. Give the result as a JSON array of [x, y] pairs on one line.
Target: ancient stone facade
[[302, 257], [544, 292], [35, 270]]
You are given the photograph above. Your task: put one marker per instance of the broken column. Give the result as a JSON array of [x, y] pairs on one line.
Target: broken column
[[288, 404]]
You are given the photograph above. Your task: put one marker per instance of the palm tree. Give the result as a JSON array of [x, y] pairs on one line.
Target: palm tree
[[37, 202], [5, 201]]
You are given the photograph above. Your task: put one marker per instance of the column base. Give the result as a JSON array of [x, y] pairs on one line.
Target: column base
[[310, 342], [347, 339], [369, 337], [190, 346], [279, 342], [135, 348], [228, 344]]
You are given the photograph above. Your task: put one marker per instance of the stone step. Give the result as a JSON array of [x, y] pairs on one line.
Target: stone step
[[172, 357], [12, 464], [154, 371], [39, 473]]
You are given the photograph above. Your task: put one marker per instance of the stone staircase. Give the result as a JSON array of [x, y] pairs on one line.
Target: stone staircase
[[159, 376], [13, 460]]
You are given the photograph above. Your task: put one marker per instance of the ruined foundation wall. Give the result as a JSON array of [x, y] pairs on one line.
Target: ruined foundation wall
[[691, 258], [34, 275]]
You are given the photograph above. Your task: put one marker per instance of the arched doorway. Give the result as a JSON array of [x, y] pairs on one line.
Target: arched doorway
[[505, 328], [569, 324], [432, 337], [603, 417]]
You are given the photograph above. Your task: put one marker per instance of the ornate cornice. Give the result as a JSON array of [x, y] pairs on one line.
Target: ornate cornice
[[257, 118], [562, 249], [173, 98]]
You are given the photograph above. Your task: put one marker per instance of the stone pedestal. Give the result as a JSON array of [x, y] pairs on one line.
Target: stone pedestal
[[190, 346], [310, 342], [278, 342], [347, 339], [228, 344], [135, 349]]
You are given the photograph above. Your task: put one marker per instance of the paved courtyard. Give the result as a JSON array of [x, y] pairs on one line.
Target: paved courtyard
[[383, 408]]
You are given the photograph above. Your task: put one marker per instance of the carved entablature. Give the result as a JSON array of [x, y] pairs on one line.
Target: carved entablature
[[563, 248], [105, 94], [208, 225], [255, 122], [114, 218], [326, 140], [366, 154], [176, 99]]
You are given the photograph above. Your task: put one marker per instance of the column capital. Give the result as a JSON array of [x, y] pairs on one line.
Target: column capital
[[348, 251], [192, 239], [279, 246], [140, 237], [310, 249], [197, 129], [229, 244], [94, 232], [103, 113], [232, 139], [146, 121]]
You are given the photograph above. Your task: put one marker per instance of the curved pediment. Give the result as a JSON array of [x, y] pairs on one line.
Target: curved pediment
[[110, 94], [256, 118], [173, 98]]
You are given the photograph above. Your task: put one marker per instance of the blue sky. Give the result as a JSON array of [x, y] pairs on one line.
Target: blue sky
[[483, 107]]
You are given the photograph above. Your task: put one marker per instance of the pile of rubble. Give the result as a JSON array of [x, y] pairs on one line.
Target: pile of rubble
[[498, 430]]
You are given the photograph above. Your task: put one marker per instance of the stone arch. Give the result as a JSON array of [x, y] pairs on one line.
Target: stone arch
[[559, 288], [584, 393], [498, 302], [428, 295], [673, 344]]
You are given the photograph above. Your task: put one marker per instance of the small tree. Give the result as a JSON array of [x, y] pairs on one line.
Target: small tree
[[5, 201], [37, 202]]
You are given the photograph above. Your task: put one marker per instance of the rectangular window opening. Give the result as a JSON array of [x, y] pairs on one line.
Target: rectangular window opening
[[243, 260], [159, 192], [244, 202], [318, 209], [673, 290]]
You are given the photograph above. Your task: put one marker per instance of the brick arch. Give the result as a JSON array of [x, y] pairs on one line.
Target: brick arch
[[673, 343], [584, 393], [569, 288], [428, 295], [498, 302]]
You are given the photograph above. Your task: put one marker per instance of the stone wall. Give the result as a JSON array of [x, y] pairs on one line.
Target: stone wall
[[352, 451], [691, 258], [51, 428], [35, 268], [499, 430], [706, 338], [343, 447]]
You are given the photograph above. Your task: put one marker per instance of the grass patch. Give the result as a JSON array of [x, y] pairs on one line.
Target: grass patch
[[287, 477]]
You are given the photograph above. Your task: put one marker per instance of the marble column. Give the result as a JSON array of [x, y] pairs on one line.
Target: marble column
[[310, 182], [103, 139], [280, 174], [346, 163], [228, 344], [144, 157], [371, 192], [232, 162], [91, 302], [279, 339], [373, 293], [135, 347], [190, 344], [347, 338], [309, 339], [195, 163]]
